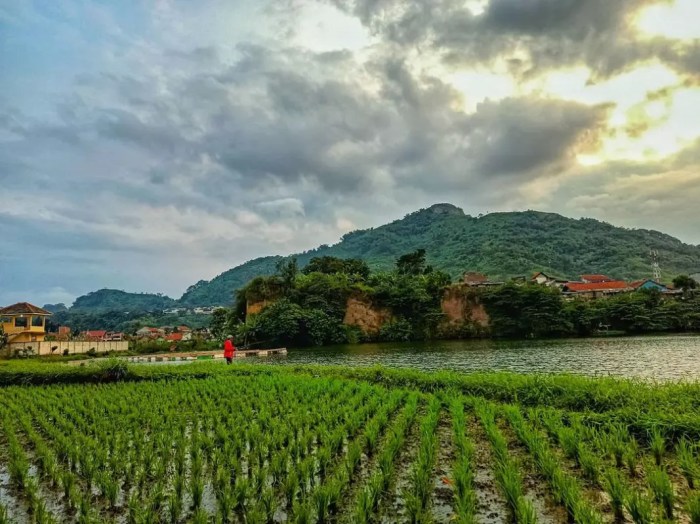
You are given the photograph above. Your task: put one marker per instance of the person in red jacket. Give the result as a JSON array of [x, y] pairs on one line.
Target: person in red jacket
[[229, 349]]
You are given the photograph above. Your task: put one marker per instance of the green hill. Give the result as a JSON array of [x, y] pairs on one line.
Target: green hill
[[115, 300], [502, 245]]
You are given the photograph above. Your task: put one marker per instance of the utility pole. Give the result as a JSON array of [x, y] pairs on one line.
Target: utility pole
[[655, 268]]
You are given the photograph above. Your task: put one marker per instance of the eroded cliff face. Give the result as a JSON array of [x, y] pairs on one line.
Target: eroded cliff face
[[462, 306], [253, 308], [361, 313]]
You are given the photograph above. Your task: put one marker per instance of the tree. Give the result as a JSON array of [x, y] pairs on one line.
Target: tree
[[412, 263], [287, 272], [685, 283], [331, 265], [217, 326], [3, 338]]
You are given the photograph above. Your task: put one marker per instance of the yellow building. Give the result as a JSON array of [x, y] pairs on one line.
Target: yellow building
[[24, 322]]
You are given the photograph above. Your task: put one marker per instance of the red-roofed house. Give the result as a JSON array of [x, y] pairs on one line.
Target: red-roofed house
[[174, 337], [95, 335], [596, 279], [595, 289]]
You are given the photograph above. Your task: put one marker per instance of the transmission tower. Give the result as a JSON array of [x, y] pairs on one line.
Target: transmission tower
[[655, 268]]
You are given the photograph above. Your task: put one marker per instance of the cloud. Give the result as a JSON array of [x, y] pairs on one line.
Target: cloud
[[529, 35], [182, 141]]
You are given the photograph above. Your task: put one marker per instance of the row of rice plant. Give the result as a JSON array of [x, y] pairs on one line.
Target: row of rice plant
[[371, 495], [566, 489], [628, 469], [463, 472], [417, 497], [507, 469]]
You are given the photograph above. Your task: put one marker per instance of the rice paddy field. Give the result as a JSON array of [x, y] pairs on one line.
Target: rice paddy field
[[265, 444]]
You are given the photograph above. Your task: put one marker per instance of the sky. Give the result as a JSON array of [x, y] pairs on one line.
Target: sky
[[145, 145]]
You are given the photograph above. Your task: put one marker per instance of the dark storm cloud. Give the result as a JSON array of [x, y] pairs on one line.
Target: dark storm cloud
[[515, 136], [262, 122], [550, 33]]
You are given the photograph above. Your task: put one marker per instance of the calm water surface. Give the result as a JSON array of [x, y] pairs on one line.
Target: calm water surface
[[660, 358]]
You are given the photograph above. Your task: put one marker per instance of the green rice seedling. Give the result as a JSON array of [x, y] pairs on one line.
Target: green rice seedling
[[590, 463], [630, 457], [301, 514], [4, 516], [110, 489], [616, 443], [616, 490], [224, 502], [174, 508], [640, 508], [692, 506], [40, 513], [525, 513], [569, 441], [200, 516], [508, 476], [290, 485], [657, 445], [269, 504], [353, 457], [197, 492], [372, 438], [661, 487], [687, 462], [363, 508], [334, 490], [320, 502], [67, 482]]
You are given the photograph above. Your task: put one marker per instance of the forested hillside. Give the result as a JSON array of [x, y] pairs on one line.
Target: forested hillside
[[501, 245], [115, 300]]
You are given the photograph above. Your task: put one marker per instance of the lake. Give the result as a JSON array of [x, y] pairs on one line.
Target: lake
[[648, 357]]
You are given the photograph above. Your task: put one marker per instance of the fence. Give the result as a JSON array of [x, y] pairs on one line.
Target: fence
[[66, 348]]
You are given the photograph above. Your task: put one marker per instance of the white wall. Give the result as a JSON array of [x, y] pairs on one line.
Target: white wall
[[73, 347]]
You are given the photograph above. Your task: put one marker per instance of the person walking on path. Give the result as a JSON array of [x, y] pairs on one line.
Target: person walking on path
[[229, 349]]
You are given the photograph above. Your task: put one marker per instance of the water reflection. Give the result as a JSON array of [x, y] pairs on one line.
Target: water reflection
[[659, 358]]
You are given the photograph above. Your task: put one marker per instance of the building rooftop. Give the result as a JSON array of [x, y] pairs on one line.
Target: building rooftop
[[582, 287], [24, 308], [596, 278]]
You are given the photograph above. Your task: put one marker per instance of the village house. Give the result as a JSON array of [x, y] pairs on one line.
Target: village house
[[593, 290], [649, 285], [24, 322], [97, 335], [543, 279], [100, 335], [149, 332]]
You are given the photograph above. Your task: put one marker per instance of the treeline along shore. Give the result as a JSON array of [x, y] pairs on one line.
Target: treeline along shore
[[339, 301]]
